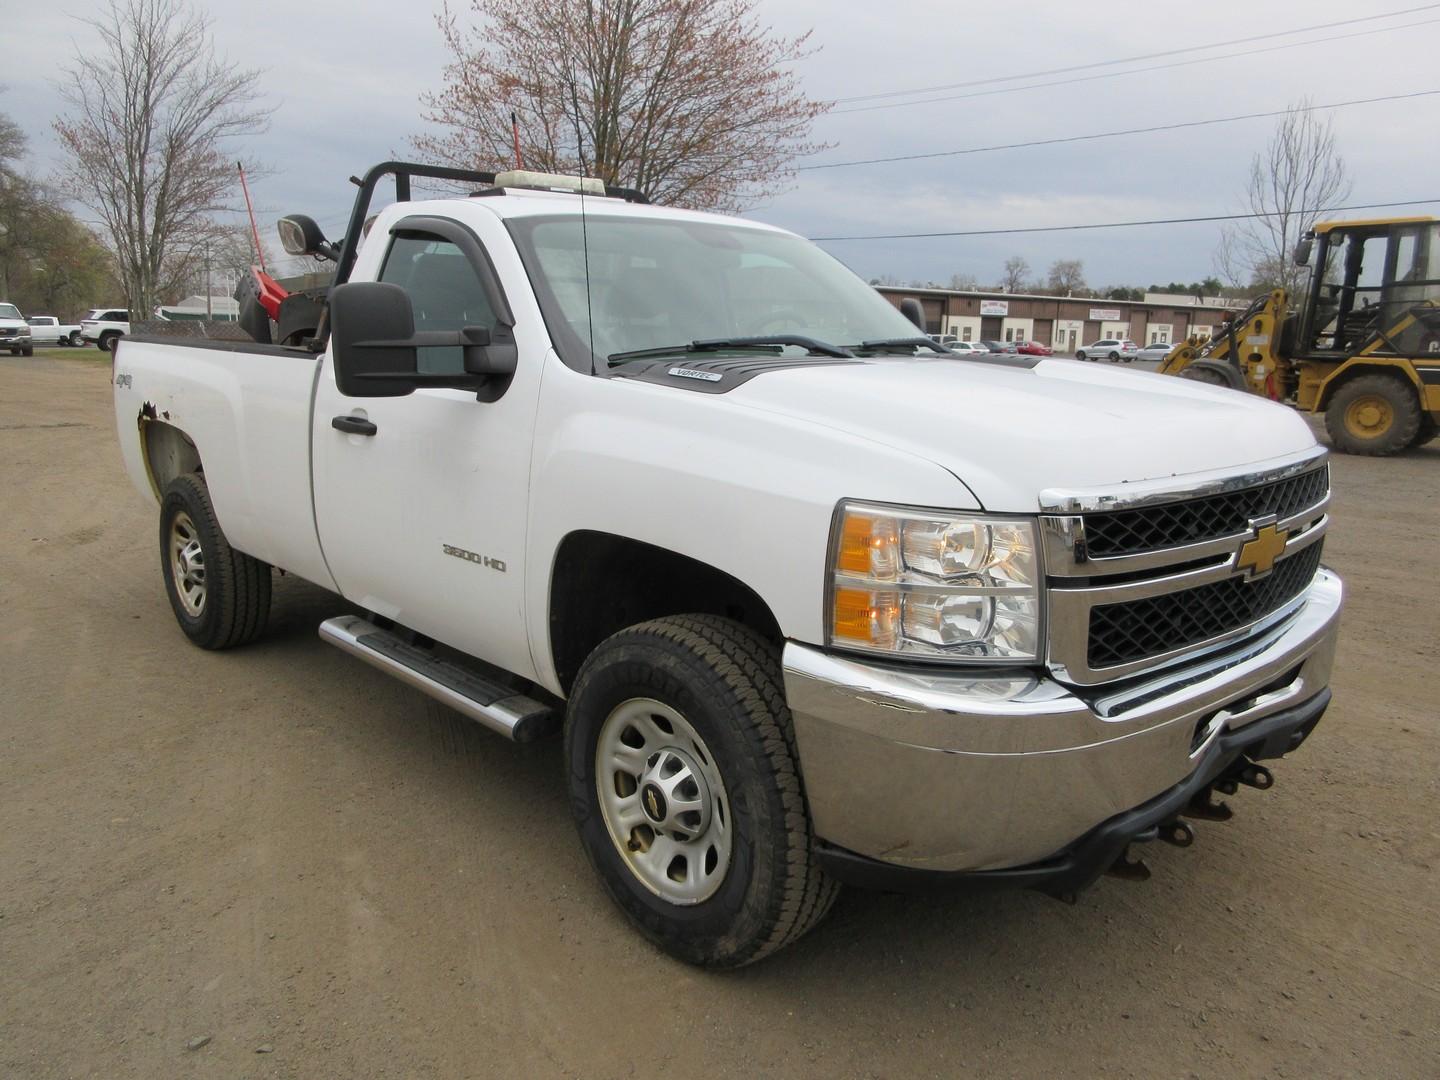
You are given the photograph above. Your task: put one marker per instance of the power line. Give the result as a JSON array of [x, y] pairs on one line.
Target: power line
[[1130, 59], [1113, 134], [1125, 224], [1132, 71]]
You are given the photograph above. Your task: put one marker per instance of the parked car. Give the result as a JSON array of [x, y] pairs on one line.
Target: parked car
[[999, 346], [971, 348], [1033, 348], [48, 330], [105, 327], [1156, 350], [15, 332], [797, 617], [1111, 349]]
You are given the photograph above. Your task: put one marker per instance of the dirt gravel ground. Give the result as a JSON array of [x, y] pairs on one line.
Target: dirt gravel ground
[[323, 874]]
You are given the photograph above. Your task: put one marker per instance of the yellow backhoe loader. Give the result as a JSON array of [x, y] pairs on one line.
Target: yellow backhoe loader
[[1363, 348]]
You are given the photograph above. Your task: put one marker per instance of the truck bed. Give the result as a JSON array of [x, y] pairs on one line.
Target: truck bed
[[247, 409]]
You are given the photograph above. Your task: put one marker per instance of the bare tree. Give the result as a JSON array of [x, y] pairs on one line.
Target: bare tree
[[1066, 276], [1015, 270], [964, 282], [1294, 181], [692, 102], [153, 115]]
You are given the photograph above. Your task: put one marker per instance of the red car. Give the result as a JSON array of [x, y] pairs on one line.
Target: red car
[[1033, 348]]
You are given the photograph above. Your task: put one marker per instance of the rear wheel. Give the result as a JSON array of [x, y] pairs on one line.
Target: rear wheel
[[1080, 355], [221, 597], [1375, 415], [686, 790], [75, 340], [107, 341], [1114, 356]]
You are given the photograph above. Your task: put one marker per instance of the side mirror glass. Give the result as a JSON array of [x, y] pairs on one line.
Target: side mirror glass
[[300, 235], [1302, 252], [371, 327]]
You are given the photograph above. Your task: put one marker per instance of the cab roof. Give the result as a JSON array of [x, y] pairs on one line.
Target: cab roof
[[1323, 227]]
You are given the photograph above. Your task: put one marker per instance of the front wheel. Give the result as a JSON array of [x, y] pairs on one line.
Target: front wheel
[[685, 787], [221, 597], [1377, 415]]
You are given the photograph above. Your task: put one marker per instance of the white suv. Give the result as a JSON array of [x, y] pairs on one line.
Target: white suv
[[1112, 349], [105, 326]]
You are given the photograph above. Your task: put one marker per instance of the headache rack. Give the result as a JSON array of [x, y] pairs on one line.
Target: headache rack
[[302, 319], [405, 171]]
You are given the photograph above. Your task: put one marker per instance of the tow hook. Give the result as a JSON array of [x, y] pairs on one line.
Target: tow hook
[[1256, 776], [1177, 832]]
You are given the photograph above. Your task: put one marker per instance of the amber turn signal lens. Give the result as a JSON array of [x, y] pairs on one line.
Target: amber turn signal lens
[[869, 546], [866, 617]]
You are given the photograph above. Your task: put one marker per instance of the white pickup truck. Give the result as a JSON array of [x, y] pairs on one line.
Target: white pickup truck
[[813, 599], [15, 332], [48, 330]]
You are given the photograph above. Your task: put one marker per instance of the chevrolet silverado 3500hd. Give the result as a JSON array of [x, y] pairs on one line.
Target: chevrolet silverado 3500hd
[[813, 599]]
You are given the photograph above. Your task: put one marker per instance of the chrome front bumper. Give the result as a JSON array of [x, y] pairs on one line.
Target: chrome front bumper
[[940, 771]]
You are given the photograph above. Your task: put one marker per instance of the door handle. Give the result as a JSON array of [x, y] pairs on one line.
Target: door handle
[[353, 425]]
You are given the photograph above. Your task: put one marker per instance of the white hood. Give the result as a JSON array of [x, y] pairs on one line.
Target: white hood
[[1008, 433]]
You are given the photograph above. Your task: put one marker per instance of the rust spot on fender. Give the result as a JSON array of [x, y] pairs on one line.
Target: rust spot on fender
[[147, 411]]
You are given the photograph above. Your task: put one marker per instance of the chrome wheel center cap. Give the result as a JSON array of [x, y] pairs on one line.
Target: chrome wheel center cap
[[674, 795]]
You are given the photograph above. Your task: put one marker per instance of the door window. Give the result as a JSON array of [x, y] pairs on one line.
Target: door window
[[445, 294]]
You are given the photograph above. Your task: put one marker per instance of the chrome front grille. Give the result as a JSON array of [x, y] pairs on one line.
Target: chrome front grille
[[1149, 528], [1152, 573], [1126, 632]]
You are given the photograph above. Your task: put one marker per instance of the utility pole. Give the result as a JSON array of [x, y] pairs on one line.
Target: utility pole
[[209, 303]]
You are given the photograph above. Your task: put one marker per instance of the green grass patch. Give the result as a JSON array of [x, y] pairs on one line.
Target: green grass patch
[[60, 352]]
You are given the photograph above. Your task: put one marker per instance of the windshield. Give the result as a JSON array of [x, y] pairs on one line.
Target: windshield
[[655, 284], [9, 311]]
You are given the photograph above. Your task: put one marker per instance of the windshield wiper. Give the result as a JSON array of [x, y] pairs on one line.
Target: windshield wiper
[[899, 342], [762, 343]]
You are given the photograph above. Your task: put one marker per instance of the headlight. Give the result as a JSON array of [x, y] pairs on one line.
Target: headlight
[[922, 583]]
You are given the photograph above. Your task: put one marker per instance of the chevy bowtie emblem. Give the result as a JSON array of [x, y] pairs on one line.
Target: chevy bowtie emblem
[[1257, 557]]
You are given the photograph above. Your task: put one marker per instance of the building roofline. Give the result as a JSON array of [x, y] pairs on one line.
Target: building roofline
[[1094, 300]]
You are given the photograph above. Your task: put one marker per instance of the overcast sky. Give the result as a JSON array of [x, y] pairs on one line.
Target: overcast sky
[[344, 79]]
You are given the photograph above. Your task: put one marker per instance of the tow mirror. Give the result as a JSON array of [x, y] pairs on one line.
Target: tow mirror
[[911, 309], [374, 345], [299, 235], [1302, 252], [371, 323]]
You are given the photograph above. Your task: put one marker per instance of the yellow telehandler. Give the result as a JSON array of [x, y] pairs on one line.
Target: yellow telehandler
[[1363, 348]]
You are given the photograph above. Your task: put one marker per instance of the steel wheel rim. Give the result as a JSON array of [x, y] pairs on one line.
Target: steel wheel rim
[[663, 801], [1369, 416], [187, 564]]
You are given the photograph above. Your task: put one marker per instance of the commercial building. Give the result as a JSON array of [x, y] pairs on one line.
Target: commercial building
[[1062, 322]]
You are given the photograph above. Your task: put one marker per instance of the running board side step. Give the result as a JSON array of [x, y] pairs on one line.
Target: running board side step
[[469, 693]]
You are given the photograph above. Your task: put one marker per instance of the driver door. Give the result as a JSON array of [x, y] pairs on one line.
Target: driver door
[[423, 521]]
